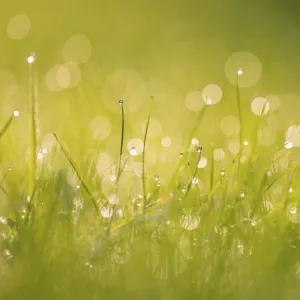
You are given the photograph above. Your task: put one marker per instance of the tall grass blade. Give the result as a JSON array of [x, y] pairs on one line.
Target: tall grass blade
[[81, 180], [32, 133], [144, 152]]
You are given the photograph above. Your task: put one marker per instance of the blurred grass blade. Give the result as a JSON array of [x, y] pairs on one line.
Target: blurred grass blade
[[2, 180], [6, 126], [188, 141], [82, 182], [122, 142], [120, 168], [144, 152], [32, 135], [239, 109]]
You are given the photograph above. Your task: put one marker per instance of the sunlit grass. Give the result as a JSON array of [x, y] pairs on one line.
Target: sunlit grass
[[214, 230]]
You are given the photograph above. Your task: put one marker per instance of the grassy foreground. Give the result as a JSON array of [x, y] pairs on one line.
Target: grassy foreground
[[206, 233]]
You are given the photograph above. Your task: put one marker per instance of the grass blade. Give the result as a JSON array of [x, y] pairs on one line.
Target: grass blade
[[6, 126], [32, 134], [144, 153], [81, 180]]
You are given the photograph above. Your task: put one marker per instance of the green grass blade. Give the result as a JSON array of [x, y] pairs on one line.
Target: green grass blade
[[6, 126], [120, 168], [188, 141], [144, 153], [32, 135], [122, 142], [81, 180]]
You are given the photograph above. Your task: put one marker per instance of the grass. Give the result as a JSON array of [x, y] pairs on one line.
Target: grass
[[209, 233]]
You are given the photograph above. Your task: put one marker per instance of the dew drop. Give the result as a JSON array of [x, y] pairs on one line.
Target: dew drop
[[133, 151], [31, 58], [195, 180], [199, 149], [293, 210], [240, 72], [288, 145]]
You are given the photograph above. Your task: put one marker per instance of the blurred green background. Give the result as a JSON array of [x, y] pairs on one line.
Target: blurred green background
[[91, 53]]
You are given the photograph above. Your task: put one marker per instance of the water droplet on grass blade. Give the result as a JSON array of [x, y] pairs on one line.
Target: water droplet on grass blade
[[195, 180], [240, 72], [222, 172], [31, 58]]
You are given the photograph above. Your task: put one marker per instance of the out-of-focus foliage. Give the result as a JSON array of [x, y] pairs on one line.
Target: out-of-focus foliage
[[200, 199]]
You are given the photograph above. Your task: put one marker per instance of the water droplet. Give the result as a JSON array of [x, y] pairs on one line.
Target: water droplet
[[223, 172], [288, 145], [156, 177], [133, 151], [293, 210], [77, 186], [16, 113], [10, 168], [7, 253], [141, 196], [31, 58], [240, 72], [3, 220], [199, 149], [195, 142], [242, 195], [158, 184], [181, 154], [45, 150], [246, 143], [195, 180], [291, 190], [253, 223], [40, 156], [106, 212], [121, 101]]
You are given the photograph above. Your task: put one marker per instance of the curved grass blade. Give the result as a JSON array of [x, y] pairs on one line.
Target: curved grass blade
[[81, 180], [148, 210]]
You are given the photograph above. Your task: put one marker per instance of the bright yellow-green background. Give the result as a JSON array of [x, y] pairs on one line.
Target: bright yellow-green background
[[174, 46]]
